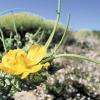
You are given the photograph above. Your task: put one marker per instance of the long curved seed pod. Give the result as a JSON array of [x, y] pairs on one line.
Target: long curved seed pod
[[64, 35], [57, 20], [76, 56]]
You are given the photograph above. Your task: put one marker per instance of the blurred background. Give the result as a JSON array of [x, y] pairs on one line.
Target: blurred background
[[85, 14]]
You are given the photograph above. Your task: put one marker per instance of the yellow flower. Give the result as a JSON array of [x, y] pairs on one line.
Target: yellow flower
[[18, 62]]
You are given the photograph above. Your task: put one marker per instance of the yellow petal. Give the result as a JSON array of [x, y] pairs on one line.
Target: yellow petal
[[1, 65], [25, 74], [10, 59], [36, 68], [14, 62], [19, 69], [20, 63], [36, 54], [46, 64], [7, 70], [33, 51]]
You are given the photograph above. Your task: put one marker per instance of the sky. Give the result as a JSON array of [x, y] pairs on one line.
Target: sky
[[85, 14]]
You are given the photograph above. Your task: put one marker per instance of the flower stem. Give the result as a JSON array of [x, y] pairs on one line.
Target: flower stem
[[15, 29], [42, 34], [63, 37], [76, 56], [57, 20], [11, 35], [3, 40], [50, 58], [37, 32]]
